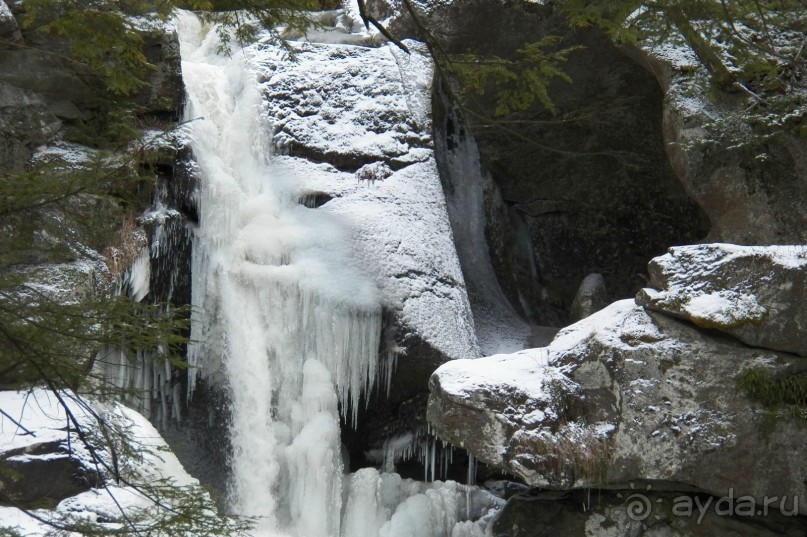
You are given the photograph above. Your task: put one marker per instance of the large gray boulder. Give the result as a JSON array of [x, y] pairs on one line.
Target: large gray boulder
[[755, 293], [622, 396]]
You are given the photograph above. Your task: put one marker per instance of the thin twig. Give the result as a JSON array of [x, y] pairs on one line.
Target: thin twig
[[15, 422]]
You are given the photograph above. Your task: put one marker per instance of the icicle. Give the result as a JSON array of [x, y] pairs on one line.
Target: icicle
[[470, 482], [139, 275], [433, 453]]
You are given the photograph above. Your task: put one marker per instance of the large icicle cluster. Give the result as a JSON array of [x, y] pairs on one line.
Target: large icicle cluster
[[142, 376], [384, 505], [278, 304]]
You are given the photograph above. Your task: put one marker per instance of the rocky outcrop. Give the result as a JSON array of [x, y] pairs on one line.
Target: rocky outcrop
[[503, 284], [338, 110], [622, 396], [41, 475], [750, 184], [39, 89], [9, 29], [25, 122], [756, 294], [65, 478], [630, 164], [592, 186], [353, 125]]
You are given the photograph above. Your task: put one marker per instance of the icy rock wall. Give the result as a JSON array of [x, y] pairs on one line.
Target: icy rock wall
[[282, 312], [354, 125], [293, 325]]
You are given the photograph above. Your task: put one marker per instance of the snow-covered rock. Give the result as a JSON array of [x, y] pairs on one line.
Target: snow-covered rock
[[621, 396], [755, 293], [354, 124], [40, 463], [66, 477], [9, 29]]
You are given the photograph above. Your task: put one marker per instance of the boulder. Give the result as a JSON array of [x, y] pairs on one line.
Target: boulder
[[626, 395], [592, 296], [755, 293], [41, 475]]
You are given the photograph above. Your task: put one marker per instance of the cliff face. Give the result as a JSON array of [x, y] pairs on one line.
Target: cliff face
[[81, 248], [43, 91], [592, 185], [573, 414]]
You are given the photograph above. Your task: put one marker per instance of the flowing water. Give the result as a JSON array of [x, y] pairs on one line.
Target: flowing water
[[291, 324]]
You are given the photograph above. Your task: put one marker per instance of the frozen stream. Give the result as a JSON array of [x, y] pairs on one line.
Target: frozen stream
[[293, 325]]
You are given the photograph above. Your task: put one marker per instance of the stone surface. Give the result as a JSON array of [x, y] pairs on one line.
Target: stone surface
[[60, 480], [626, 395], [752, 190], [166, 91], [592, 185], [591, 297], [41, 475], [9, 29], [755, 293], [25, 122], [71, 91], [642, 511], [503, 284], [353, 127]]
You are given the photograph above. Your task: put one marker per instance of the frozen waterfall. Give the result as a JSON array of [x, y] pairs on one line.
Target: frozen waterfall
[[293, 325]]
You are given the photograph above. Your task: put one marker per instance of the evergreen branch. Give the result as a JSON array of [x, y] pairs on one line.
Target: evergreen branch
[[15, 422], [368, 19]]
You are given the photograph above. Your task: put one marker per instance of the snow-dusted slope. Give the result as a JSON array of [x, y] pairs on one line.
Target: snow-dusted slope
[[33, 432]]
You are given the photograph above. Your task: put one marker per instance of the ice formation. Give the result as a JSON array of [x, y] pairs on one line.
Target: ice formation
[[292, 323], [277, 301]]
